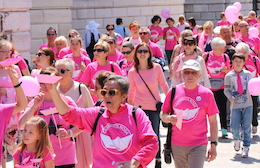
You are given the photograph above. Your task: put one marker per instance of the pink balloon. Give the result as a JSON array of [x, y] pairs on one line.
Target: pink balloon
[[166, 13], [30, 86], [253, 31], [237, 5], [231, 14], [253, 86]]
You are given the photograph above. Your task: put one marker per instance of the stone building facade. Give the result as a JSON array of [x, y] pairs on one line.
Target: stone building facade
[[26, 21]]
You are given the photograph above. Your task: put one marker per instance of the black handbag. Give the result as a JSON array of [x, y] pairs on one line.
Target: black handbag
[[159, 103], [167, 146]]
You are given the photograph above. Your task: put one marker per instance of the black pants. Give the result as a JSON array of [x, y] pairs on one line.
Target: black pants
[[66, 166], [255, 105], [221, 101]]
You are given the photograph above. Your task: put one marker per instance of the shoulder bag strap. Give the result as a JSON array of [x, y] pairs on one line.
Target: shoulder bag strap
[[79, 89], [146, 85], [169, 131], [112, 67], [101, 111]]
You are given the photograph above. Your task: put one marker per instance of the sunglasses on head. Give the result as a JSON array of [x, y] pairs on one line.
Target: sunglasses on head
[[190, 43], [52, 34], [110, 29], [111, 92], [110, 42], [190, 72], [98, 50], [63, 70], [142, 51], [143, 33], [127, 52], [40, 54]]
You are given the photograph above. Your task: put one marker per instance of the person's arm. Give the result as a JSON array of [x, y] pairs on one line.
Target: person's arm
[[25, 72], [212, 152], [167, 118], [49, 164], [132, 87], [21, 98]]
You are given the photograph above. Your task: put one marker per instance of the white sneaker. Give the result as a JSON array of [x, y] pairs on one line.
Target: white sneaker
[[237, 145], [245, 152], [254, 129]]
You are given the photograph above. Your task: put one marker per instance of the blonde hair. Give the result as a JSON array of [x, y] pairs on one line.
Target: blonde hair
[[44, 142], [73, 31], [61, 38], [208, 24], [103, 44], [133, 24], [5, 43], [77, 38]]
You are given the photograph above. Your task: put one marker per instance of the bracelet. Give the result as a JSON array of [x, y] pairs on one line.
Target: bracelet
[[19, 84], [70, 132]]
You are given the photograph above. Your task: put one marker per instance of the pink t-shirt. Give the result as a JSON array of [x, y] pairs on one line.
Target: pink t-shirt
[[195, 105], [254, 68], [253, 42], [6, 111], [251, 22], [134, 41], [116, 57], [214, 65], [156, 50], [27, 156], [83, 58], [225, 23], [67, 50], [67, 154], [126, 66], [118, 137], [171, 41], [139, 93], [46, 45], [156, 31], [257, 25], [119, 40]]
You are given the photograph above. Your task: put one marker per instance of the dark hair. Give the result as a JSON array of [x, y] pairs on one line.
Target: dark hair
[[192, 21], [119, 21], [190, 38], [128, 44], [222, 14], [239, 55], [149, 61], [49, 52], [51, 28], [170, 19], [155, 18], [122, 82], [187, 28], [110, 24], [102, 77], [49, 71]]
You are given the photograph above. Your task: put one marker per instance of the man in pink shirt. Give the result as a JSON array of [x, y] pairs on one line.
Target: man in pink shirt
[[51, 36], [192, 105], [157, 53]]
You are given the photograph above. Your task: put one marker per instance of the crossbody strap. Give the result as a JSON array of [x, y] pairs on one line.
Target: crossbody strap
[[146, 85]]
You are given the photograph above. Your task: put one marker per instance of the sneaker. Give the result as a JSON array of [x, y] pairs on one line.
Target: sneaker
[[158, 164], [237, 145], [245, 152], [224, 133], [254, 129]]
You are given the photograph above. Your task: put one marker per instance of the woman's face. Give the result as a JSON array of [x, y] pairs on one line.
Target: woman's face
[[110, 29], [170, 23], [111, 43], [100, 54], [221, 49], [127, 52], [5, 53], [60, 45], [97, 90], [208, 30], [142, 53], [72, 34], [42, 58], [64, 72], [189, 46], [75, 45], [113, 102], [134, 30]]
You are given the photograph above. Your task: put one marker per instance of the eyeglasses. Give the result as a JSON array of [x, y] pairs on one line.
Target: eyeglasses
[[111, 92], [98, 50], [127, 52], [40, 54], [143, 33], [110, 29], [142, 51], [63, 71], [48, 34], [110, 42], [190, 72], [190, 43], [6, 52]]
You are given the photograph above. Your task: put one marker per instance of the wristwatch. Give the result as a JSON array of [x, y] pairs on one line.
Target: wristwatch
[[214, 142]]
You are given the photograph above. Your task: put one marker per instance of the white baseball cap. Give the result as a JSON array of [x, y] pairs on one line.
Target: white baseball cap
[[191, 64]]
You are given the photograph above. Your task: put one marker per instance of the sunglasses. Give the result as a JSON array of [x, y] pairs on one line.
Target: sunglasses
[[98, 50], [74, 36], [189, 43], [63, 71], [143, 33], [6, 52], [244, 26], [110, 42], [142, 51], [48, 34], [190, 72], [40, 54], [110, 29], [127, 52], [111, 92]]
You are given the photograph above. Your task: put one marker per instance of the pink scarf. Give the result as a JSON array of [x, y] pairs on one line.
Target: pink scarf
[[202, 41]]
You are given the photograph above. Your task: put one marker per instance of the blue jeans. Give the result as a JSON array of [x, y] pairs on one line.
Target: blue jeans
[[242, 117], [154, 117]]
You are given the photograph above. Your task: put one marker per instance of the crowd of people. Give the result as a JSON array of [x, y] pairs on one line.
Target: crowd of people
[[107, 109]]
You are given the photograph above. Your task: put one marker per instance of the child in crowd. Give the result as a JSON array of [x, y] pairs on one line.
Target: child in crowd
[[35, 148], [241, 103]]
